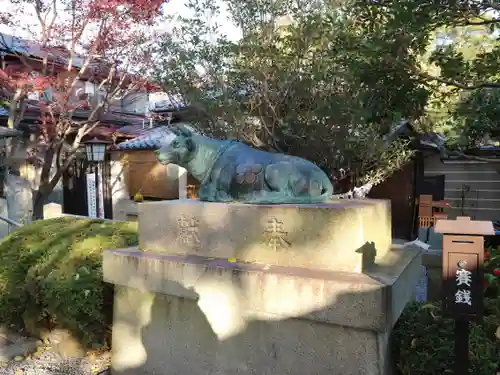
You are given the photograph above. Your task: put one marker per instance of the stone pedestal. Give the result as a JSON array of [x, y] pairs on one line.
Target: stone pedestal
[[244, 305], [341, 236]]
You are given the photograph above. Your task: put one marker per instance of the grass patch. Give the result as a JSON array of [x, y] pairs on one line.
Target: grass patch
[[423, 341], [51, 275]]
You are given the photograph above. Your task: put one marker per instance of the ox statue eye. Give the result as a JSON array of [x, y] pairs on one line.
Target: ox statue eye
[[175, 144]]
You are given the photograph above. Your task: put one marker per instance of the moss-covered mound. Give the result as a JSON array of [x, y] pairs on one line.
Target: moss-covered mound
[[51, 275]]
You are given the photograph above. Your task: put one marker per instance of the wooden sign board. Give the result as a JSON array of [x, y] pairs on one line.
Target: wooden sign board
[[463, 258], [463, 276]]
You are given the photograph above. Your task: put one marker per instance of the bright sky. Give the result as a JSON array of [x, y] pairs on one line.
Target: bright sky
[[174, 7], [177, 7]]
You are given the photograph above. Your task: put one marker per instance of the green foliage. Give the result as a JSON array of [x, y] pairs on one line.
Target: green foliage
[[492, 271], [423, 341], [458, 47], [51, 274], [313, 83], [478, 115], [318, 79]]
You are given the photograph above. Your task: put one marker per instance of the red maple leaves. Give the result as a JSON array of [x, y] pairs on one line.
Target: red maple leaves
[[81, 57], [95, 41], [136, 10]]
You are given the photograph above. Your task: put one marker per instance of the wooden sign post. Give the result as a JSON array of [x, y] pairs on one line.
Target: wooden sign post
[[463, 258]]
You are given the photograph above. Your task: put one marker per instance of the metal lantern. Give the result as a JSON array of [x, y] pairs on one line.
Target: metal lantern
[[95, 149]]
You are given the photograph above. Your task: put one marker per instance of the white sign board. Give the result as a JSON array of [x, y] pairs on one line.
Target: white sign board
[[91, 195], [421, 288]]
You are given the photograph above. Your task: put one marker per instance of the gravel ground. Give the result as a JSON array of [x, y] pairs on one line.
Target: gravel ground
[[48, 363]]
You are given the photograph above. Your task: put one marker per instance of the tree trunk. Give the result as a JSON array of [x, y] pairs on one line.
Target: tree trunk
[[38, 204]]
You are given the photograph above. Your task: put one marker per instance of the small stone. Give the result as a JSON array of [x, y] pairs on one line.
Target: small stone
[[4, 340], [19, 358]]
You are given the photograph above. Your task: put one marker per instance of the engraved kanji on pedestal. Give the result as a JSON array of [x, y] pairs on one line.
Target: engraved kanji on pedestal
[[188, 231], [275, 236]]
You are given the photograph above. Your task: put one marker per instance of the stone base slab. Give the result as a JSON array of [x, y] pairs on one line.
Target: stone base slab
[[197, 315], [371, 301], [344, 235]]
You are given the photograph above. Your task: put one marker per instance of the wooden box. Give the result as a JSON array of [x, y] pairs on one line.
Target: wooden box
[[145, 175]]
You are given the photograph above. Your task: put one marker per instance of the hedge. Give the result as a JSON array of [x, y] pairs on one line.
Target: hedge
[[51, 275]]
